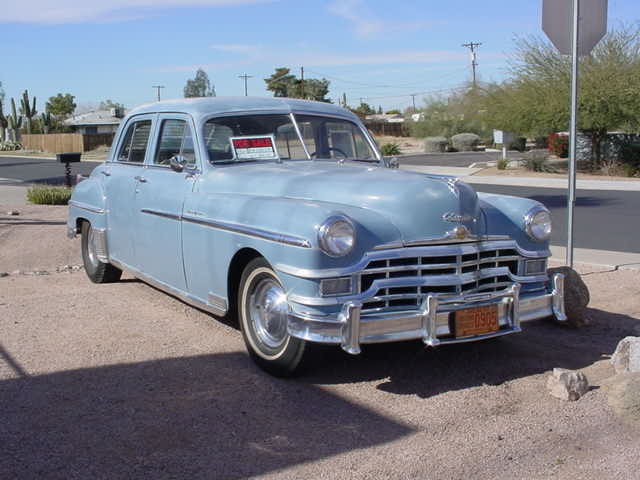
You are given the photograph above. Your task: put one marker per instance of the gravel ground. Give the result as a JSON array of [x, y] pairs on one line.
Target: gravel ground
[[124, 381]]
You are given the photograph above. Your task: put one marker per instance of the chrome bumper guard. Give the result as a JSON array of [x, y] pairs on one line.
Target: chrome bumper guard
[[430, 322]]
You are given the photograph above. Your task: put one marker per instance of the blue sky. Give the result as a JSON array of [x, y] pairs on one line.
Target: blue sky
[[379, 50]]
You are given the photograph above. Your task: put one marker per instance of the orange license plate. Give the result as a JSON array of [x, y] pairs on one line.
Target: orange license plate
[[476, 321]]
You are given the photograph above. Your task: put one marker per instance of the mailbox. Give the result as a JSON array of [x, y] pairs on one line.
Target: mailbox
[[68, 157]]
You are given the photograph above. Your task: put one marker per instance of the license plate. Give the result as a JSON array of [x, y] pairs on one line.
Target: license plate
[[476, 321]]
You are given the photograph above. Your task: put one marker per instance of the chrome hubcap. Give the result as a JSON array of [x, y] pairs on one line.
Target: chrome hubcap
[[91, 248], [268, 310]]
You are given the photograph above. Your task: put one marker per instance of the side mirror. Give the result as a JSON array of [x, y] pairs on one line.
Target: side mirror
[[177, 163]]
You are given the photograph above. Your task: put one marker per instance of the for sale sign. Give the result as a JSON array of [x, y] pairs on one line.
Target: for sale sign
[[261, 147]]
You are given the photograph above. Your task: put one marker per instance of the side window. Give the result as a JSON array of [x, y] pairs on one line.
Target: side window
[[175, 139], [134, 145]]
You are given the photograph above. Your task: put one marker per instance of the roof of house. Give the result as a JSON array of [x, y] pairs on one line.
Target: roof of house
[[385, 117], [97, 117], [203, 107]]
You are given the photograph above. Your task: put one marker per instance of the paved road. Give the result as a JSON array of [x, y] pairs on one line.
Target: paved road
[[605, 219]]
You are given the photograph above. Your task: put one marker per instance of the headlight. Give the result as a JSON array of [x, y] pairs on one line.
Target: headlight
[[337, 236], [538, 224]]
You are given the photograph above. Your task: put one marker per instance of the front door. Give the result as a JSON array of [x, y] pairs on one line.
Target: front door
[[159, 195], [120, 179]]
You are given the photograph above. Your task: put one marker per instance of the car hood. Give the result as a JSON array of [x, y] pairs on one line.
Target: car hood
[[422, 207]]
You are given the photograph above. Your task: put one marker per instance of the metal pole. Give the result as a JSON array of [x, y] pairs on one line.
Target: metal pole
[[571, 200]]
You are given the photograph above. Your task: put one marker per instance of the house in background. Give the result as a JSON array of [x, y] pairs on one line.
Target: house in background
[[97, 122]]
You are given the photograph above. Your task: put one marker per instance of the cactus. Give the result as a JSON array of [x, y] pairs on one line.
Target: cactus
[[29, 111], [4, 123], [46, 120], [15, 122]]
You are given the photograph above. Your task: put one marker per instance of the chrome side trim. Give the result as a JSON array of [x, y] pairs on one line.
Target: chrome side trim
[[250, 231], [87, 207], [170, 216], [217, 310], [459, 248], [217, 301]]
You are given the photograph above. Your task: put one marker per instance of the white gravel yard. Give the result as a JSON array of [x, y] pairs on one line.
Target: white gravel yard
[[124, 381]]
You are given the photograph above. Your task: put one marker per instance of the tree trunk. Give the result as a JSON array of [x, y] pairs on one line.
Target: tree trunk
[[3, 134], [596, 148]]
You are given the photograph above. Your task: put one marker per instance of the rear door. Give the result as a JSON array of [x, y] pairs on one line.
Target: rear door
[[159, 199], [120, 185]]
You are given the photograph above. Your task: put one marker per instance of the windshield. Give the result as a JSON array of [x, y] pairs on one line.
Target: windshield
[[250, 138]]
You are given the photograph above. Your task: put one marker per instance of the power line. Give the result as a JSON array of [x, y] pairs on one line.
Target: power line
[[158, 87], [472, 46], [245, 77]]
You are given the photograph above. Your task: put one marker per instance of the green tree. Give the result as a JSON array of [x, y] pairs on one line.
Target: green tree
[[200, 86], [109, 104], [284, 84], [61, 105], [535, 99], [363, 110]]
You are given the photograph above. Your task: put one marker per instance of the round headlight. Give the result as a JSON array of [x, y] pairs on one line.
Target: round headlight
[[337, 236], [538, 224]]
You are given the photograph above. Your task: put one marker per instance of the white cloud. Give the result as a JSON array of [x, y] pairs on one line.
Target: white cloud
[[79, 11]]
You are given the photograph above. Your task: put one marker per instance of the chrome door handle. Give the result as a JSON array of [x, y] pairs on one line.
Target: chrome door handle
[[140, 179], [105, 173]]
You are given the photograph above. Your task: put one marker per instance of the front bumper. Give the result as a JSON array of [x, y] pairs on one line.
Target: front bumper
[[431, 322]]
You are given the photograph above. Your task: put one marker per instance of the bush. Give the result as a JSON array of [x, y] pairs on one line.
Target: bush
[[10, 146], [435, 144], [541, 142], [465, 142], [389, 149], [503, 164], [630, 170], [536, 163], [559, 145], [49, 195], [519, 144]]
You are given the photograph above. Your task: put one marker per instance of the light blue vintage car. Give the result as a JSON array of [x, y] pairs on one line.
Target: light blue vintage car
[[283, 213]]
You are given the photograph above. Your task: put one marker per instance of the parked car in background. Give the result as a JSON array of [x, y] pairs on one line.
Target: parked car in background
[[283, 214]]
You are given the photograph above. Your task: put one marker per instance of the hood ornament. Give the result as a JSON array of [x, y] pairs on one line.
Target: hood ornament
[[459, 233]]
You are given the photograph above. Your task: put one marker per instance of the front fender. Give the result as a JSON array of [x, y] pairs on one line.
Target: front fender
[[87, 202]]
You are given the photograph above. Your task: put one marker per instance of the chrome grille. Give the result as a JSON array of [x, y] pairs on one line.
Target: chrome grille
[[401, 283]]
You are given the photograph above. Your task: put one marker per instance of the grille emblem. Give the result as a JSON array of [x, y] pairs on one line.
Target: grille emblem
[[460, 232]]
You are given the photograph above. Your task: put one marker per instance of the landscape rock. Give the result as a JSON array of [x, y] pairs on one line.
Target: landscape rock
[[3, 274], [624, 397], [576, 296], [13, 212], [626, 358], [567, 384]]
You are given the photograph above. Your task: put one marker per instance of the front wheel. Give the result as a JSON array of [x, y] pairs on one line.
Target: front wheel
[[263, 310], [97, 271]]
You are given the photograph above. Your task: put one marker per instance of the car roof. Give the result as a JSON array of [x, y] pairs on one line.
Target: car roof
[[205, 107]]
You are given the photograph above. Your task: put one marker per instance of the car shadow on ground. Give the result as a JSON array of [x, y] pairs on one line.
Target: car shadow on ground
[[209, 416], [410, 369]]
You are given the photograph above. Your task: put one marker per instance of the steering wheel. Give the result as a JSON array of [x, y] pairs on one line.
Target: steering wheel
[[334, 150]]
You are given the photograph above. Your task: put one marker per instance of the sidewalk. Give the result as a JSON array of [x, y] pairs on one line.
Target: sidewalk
[[467, 175]]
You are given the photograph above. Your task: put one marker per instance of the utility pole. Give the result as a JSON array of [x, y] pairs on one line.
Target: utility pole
[[158, 87], [413, 98], [472, 46], [245, 77], [302, 83]]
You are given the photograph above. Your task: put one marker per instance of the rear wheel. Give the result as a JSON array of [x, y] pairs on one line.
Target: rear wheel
[[97, 271], [263, 310]]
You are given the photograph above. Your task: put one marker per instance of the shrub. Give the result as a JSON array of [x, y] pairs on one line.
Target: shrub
[[536, 163], [10, 146], [502, 164], [559, 145], [465, 142], [541, 142], [519, 144], [435, 144], [630, 170], [389, 149], [49, 195]]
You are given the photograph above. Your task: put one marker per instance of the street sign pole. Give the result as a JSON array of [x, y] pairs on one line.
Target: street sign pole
[[571, 200]]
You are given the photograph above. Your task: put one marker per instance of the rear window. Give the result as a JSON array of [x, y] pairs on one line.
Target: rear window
[[134, 146]]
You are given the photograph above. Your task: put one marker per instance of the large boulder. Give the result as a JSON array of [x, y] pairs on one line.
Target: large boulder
[[626, 358], [576, 296], [567, 384], [435, 144], [465, 142], [624, 397]]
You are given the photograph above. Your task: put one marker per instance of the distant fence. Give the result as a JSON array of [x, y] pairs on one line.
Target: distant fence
[[386, 128], [65, 142]]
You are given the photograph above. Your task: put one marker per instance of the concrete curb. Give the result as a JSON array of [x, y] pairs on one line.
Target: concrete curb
[[599, 258]]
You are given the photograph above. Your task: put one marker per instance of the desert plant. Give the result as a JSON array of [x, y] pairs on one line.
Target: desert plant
[[630, 170], [49, 195], [435, 144], [389, 149], [9, 146], [4, 124], [15, 123], [465, 142], [503, 163], [536, 163], [46, 121], [28, 110]]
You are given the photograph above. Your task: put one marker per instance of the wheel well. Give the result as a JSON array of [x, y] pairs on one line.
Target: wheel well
[[79, 222], [238, 263]]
